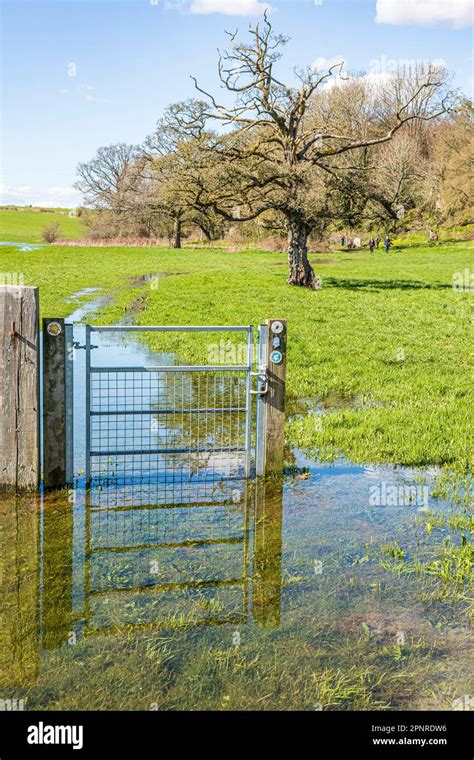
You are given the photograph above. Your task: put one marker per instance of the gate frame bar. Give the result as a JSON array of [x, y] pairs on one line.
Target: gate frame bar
[[88, 403], [262, 380]]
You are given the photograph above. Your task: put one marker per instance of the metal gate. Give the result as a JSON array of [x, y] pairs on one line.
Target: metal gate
[[170, 424]]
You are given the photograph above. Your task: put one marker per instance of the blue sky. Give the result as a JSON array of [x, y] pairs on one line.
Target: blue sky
[[78, 74]]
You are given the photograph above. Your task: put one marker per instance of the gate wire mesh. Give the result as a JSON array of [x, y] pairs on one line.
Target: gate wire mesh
[[167, 517], [171, 425]]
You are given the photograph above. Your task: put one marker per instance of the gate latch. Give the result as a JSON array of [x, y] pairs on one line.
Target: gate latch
[[78, 346], [262, 384]]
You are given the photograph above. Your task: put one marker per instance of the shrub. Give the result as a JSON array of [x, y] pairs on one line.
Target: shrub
[[50, 232], [275, 244]]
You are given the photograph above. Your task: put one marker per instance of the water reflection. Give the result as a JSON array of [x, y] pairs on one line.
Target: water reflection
[[227, 595], [57, 570], [174, 564], [117, 560], [20, 598], [267, 554]]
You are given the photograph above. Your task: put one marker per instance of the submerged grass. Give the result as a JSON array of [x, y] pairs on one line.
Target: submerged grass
[[444, 558], [315, 665], [335, 643]]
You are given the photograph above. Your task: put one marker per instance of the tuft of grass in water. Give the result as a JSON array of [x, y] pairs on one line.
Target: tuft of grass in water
[[446, 568]]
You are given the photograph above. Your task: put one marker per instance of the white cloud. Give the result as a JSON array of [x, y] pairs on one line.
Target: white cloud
[[377, 80], [374, 81], [324, 64], [230, 7], [458, 13], [25, 195]]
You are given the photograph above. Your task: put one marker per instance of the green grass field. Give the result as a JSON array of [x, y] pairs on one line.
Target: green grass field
[[385, 346], [26, 225]]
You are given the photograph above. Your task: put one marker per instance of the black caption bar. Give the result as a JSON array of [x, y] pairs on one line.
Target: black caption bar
[[377, 734]]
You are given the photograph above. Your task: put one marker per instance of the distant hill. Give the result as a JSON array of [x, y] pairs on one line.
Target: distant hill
[[26, 223]]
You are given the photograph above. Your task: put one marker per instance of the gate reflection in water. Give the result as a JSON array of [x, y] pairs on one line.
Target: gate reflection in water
[[19, 593], [182, 564], [116, 560]]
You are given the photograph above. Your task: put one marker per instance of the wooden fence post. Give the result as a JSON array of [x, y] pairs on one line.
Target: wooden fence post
[[274, 400], [55, 404], [20, 467]]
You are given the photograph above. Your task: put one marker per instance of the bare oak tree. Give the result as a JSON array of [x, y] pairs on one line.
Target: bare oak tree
[[110, 178], [276, 138]]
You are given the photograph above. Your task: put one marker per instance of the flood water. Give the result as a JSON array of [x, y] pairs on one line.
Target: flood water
[[24, 247], [227, 595]]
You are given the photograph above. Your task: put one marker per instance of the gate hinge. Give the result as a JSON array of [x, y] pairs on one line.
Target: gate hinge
[[262, 376]]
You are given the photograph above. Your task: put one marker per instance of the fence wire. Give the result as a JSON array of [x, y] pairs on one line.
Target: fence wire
[[174, 426]]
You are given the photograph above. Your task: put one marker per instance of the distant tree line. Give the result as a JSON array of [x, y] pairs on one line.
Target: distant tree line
[[326, 152]]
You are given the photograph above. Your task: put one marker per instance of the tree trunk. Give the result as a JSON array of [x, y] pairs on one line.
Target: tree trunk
[[177, 233], [301, 271], [206, 233]]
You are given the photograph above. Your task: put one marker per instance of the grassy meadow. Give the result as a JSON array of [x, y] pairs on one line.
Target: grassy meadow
[[26, 225], [385, 347]]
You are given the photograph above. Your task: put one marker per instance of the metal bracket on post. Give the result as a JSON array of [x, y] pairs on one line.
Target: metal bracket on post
[[77, 346]]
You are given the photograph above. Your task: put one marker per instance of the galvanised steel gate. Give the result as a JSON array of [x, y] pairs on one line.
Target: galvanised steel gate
[[172, 423]]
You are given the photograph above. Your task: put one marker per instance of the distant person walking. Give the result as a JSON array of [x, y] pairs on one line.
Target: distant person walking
[[371, 245], [342, 241], [378, 240], [387, 244]]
